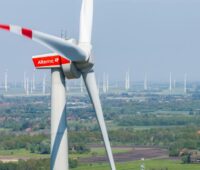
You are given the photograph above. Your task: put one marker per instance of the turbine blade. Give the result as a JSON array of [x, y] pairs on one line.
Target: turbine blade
[[90, 82], [56, 44], [86, 22]]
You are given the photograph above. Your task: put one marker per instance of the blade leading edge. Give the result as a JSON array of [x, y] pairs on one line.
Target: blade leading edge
[[90, 82]]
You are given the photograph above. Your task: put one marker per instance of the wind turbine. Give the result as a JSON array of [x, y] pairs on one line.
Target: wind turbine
[[185, 83], [44, 85], [170, 82], [27, 86], [24, 82], [104, 83], [127, 80], [81, 85], [145, 82], [107, 82], [33, 80], [69, 60], [6, 81]]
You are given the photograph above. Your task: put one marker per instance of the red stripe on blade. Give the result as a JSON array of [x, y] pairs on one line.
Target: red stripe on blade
[[27, 32], [5, 27]]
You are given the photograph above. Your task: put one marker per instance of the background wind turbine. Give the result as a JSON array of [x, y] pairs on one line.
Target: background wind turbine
[[6, 81], [145, 82], [27, 86], [44, 85], [170, 82], [104, 83], [33, 80], [107, 83], [25, 82], [127, 80], [69, 60], [81, 85], [185, 83]]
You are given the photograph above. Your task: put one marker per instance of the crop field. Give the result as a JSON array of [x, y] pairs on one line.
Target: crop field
[[149, 165]]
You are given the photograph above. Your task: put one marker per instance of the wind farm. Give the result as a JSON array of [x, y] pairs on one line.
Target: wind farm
[[112, 85]]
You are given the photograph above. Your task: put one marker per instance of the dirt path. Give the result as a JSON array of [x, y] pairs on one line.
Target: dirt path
[[134, 154]]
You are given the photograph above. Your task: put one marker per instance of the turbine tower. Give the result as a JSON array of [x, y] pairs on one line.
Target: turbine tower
[[27, 86], [25, 82], [33, 80], [104, 83], [127, 81], [31, 86], [185, 83], [44, 85], [170, 82], [145, 82], [107, 83], [81, 85], [6, 81], [69, 60]]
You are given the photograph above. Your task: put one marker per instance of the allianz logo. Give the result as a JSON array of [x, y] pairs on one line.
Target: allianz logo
[[49, 61]]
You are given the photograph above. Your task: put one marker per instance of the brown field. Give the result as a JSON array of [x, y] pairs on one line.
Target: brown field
[[134, 154]]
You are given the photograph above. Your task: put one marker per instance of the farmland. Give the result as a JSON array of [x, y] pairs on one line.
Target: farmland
[[153, 126]]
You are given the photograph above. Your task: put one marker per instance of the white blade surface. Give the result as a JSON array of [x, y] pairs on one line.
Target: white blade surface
[[91, 86], [86, 19], [56, 44], [86, 22]]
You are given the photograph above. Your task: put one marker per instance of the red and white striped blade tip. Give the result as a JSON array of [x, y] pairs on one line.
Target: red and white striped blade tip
[[18, 30]]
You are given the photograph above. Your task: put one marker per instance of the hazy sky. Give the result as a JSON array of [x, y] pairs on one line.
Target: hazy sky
[[153, 36]]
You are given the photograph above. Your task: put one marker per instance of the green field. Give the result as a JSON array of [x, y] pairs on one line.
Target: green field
[[161, 164], [149, 165], [21, 153]]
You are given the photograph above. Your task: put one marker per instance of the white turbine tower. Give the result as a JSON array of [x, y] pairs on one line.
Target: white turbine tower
[[27, 86], [170, 82], [70, 60], [145, 82], [81, 85], [185, 83], [104, 83], [6, 81], [107, 82], [31, 86], [33, 80], [44, 85], [127, 81], [25, 82]]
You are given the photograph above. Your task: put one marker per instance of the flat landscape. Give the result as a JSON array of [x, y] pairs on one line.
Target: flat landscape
[[146, 128]]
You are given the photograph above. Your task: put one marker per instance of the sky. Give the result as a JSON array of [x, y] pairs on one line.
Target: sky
[[155, 37]]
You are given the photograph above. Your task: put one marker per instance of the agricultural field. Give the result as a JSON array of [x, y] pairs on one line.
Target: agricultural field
[[145, 125], [149, 165]]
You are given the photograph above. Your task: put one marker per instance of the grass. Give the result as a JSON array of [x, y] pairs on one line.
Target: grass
[[149, 164], [99, 151], [21, 153], [135, 165]]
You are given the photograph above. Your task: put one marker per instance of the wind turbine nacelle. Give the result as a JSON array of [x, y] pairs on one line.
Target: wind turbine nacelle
[[53, 60]]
